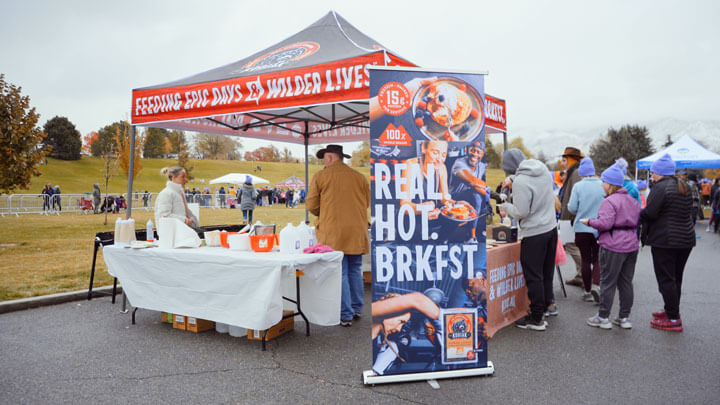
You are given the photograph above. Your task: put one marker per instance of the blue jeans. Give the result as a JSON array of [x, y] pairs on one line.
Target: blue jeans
[[353, 292]]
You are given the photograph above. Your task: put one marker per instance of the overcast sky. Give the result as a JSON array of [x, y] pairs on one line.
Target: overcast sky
[[559, 64]]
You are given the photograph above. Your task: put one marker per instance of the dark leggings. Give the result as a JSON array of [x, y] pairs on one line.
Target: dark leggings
[[669, 266], [588, 246]]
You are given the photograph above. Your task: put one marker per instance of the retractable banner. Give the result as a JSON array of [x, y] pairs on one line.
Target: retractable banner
[[429, 206]]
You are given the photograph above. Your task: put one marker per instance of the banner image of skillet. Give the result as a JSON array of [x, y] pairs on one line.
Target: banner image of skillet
[[429, 206]]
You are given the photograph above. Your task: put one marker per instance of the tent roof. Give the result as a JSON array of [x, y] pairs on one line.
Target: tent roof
[[237, 178], [331, 38], [291, 181], [687, 154]]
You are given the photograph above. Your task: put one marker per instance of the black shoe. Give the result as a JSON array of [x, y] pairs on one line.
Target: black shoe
[[528, 323], [357, 316], [346, 323]]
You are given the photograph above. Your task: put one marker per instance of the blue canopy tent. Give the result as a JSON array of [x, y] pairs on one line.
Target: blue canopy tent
[[687, 154]]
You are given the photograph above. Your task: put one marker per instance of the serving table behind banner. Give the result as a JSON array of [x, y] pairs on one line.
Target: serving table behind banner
[[507, 296], [237, 288]]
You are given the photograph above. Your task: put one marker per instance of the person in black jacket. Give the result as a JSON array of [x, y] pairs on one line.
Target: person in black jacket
[[668, 227]]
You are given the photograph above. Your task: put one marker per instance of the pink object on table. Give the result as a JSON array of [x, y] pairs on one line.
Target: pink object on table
[[318, 248]]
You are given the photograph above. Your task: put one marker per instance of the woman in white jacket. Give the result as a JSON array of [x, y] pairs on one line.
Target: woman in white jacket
[[171, 202]]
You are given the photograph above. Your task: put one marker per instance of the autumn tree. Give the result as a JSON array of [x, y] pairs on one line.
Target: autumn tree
[[177, 140], [122, 140], [286, 155], [63, 138], [631, 142], [157, 144], [106, 139], [492, 158], [263, 154], [21, 149], [211, 146], [183, 160], [361, 155], [88, 141]]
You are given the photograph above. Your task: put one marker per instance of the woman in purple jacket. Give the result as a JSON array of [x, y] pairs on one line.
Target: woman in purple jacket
[[617, 224]]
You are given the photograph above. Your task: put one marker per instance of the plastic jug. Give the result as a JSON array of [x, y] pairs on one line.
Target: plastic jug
[[150, 237], [222, 327], [305, 234], [290, 239], [237, 331]]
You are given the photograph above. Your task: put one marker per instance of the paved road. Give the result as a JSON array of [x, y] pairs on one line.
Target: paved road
[[87, 352]]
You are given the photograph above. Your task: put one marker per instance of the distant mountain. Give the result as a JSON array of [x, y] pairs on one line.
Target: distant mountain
[[552, 142]]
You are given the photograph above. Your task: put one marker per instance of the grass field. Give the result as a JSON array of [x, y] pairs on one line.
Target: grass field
[[49, 254]]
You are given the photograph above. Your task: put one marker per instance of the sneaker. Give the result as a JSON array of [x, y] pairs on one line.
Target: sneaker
[[357, 316], [346, 323], [595, 291], [577, 282], [552, 310], [528, 323], [672, 325], [598, 322], [660, 315], [623, 323], [707, 229], [587, 297]]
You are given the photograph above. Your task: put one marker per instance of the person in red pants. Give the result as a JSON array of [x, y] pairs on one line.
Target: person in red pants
[[668, 227]]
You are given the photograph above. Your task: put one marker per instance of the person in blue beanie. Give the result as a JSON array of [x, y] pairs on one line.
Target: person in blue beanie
[[617, 222], [628, 184], [587, 195], [668, 228]]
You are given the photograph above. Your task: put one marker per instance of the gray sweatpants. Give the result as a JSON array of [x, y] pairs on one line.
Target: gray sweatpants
[[616, 270]]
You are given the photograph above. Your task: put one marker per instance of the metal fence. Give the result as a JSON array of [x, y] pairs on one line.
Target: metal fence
[[16, 204]]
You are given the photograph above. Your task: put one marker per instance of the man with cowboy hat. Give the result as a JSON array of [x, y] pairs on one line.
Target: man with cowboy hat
[[340, 196], [570, 161]]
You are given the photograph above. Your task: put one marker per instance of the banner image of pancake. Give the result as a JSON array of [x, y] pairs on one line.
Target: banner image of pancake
[[449, 110]]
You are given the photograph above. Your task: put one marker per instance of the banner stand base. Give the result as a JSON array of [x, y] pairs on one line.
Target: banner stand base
[[370, 379]]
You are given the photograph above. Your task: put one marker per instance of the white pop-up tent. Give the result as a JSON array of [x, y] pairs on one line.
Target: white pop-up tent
[[237, 178], [687, 154]]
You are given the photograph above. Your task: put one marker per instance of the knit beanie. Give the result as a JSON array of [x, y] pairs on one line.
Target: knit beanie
[[586, 168], [623, 164], [613, 175], [663, 166], [248, 180]]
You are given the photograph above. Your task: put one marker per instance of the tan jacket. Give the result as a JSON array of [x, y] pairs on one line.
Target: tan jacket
[[340, 197], [572, 178]]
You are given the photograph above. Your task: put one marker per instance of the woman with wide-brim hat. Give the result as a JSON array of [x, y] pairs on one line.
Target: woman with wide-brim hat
[[669, 229]]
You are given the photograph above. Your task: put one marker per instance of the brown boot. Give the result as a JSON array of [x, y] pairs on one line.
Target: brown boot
[[577, 281]]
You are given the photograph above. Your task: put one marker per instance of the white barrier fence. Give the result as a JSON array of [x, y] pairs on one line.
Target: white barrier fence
[[16, 204]]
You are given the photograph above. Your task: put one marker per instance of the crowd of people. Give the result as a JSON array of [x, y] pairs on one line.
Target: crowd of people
[[611, 217]]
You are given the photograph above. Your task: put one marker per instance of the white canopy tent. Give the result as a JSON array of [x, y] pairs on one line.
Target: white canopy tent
[[687, 154], [237, 178]]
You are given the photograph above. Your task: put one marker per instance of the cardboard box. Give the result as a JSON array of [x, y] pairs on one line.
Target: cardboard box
[[367, 277], [197, 325], [179, 322], [281, 328], [166, 317]]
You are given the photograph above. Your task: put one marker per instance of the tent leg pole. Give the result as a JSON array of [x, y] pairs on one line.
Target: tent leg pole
[[504, 141], [131, 171], [307, 179]]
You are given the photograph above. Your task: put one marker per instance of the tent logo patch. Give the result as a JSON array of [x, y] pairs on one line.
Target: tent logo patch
[[281, 56], [683, 151]]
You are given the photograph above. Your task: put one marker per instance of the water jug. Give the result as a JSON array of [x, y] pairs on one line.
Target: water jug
[[306, 236], [289, 239], [150, 231], [237, 331], [222, 327]]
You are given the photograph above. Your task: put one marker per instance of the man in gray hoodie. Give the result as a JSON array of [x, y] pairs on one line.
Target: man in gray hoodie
[[534, 206]]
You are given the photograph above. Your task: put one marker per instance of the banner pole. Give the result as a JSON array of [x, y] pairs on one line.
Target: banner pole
[[131, 171], [307, 179]]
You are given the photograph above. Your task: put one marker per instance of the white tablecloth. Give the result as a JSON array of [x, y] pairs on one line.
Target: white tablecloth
[[238, 288]]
